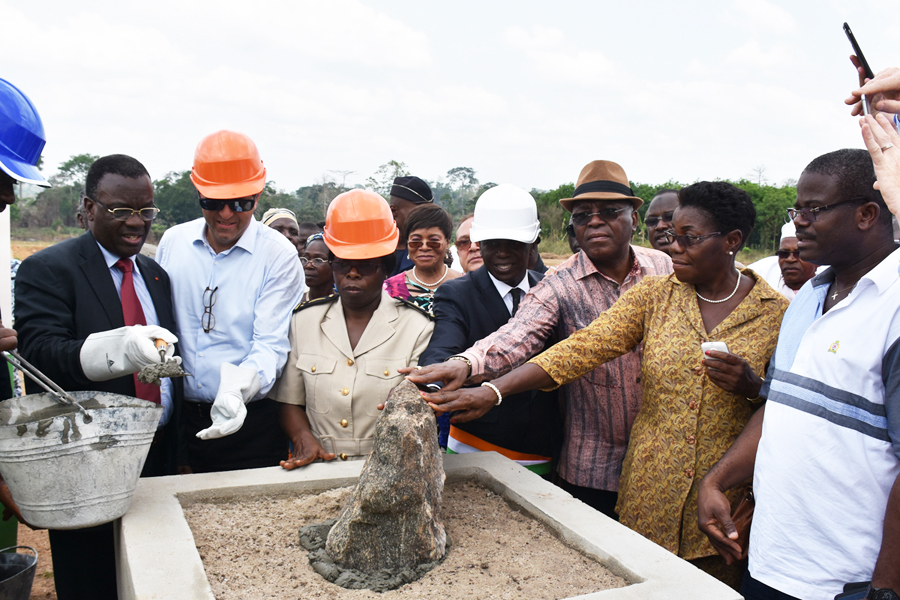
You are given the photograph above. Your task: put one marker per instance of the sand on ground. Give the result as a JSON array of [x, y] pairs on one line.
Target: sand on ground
[[250, 550]]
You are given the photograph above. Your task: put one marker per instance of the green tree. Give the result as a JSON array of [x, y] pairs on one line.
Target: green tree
[[176, 197], [382, 180], [74, 171]]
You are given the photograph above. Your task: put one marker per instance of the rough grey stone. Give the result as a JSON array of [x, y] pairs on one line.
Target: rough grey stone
[[392, 520]]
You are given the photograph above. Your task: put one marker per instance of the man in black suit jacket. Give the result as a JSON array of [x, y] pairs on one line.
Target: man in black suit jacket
[[65, 296], [524, 427]]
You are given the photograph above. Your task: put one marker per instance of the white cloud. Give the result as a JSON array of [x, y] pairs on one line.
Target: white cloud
[[753, 56], [557, 59], [760, 15]]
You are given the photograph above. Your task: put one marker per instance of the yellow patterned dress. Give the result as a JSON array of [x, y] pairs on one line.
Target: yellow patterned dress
[[686, 422]]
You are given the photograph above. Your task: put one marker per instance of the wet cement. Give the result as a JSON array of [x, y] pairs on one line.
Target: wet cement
[[154, 373], [313, 537]]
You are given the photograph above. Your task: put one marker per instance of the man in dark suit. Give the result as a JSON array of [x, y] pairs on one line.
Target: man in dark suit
[[527, 427], [83, 302]]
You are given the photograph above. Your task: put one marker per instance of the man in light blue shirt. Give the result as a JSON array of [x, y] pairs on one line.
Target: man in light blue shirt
[[235, 283]]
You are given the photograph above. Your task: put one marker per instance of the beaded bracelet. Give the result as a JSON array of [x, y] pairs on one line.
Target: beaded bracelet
[[496, 391]]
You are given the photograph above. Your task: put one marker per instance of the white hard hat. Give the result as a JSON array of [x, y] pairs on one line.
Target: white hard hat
[[505, 212]]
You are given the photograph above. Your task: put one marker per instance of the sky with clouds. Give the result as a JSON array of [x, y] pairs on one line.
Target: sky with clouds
[[524, 92]]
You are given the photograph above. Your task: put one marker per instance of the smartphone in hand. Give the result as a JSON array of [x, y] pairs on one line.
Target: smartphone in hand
[[717, 346], [863, 62]]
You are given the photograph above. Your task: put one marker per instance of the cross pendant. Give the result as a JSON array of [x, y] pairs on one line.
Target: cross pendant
[[834, 296]]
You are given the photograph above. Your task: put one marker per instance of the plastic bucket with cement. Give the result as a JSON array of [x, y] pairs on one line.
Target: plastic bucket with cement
[[17, 573], [66, 473]]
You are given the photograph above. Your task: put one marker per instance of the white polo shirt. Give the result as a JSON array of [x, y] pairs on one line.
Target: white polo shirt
[[828, 455]]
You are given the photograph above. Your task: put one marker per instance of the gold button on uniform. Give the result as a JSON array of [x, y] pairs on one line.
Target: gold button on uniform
[[349, 362], [343, 456], [387, 372], [313, 369], [344, 422], [344, 392]]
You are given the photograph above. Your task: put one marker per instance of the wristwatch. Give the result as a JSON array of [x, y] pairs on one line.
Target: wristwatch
[[881, 594]]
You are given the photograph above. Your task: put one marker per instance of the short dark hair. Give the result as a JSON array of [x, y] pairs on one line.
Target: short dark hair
[[854, 173], [114, 164], [426, 216], [727, 206], [663, 191]]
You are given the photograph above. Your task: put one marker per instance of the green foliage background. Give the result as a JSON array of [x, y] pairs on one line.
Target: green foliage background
[[456, 192]]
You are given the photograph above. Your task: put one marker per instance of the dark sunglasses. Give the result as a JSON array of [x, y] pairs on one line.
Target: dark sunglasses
[[416, 244], [652, 222], [606, 215], [784, 254], [236, 205], [686, 241], [363, 268]]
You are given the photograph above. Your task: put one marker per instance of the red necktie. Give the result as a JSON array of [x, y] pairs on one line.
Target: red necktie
[[134, 315]]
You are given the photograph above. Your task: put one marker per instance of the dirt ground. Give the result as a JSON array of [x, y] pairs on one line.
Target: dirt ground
[[23, 250], [251, 551], [43, 588]]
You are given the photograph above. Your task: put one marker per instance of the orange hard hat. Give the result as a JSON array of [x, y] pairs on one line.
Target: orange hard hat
[[227, 165], [359, 225]]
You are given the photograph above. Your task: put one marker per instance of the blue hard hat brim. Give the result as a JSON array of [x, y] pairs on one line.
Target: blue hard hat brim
[[22, 171]]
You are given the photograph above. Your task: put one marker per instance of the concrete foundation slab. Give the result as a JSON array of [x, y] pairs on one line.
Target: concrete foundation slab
[[157, 558]]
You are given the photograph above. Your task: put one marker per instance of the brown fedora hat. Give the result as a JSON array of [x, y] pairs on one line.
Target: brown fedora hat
[[602, 180]]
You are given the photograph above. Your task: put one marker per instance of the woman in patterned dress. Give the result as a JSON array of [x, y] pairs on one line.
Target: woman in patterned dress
[[427, 233], [694, 405]]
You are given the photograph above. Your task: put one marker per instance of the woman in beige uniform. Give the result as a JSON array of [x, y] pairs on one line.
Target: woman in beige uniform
[[346, 349]]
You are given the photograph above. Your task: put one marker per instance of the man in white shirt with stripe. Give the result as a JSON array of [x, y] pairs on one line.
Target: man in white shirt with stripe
[[824, 452]]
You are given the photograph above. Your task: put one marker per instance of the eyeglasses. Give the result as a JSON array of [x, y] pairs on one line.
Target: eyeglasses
[[810, 214], [653, 221], [123, 214], [208, 321], [316, 262], [364, 268], [606, 215], [785, 254], [463, 244], [236, 205], [416, 244], [686, 241]]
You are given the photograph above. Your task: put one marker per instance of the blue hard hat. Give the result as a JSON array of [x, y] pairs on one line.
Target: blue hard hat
[[21, 136]]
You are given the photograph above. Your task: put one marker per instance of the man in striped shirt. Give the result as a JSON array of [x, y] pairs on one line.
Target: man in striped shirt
[[601, 406]]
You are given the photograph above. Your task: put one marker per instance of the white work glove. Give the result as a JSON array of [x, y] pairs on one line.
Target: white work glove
[[237, 386], [123, 351]]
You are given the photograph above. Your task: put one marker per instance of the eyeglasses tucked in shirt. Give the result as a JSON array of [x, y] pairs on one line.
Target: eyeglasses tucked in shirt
[[607, 214], [653, 221], [123, 214], [236, 205], [208, 320], [685, 241]]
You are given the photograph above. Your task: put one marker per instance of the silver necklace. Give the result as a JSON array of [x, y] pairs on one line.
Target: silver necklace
[[429, 285], [729, 297]]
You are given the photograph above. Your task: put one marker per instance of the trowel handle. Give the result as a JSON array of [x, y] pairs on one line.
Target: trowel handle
[[161, 346]]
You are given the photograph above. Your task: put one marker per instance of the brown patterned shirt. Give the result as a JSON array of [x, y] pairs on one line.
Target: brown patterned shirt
[[686, 422], [600, 407]]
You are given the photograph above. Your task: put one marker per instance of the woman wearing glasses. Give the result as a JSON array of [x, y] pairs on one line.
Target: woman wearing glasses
[[316, 261], [694, 404], [346, 349], [427, 232]]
